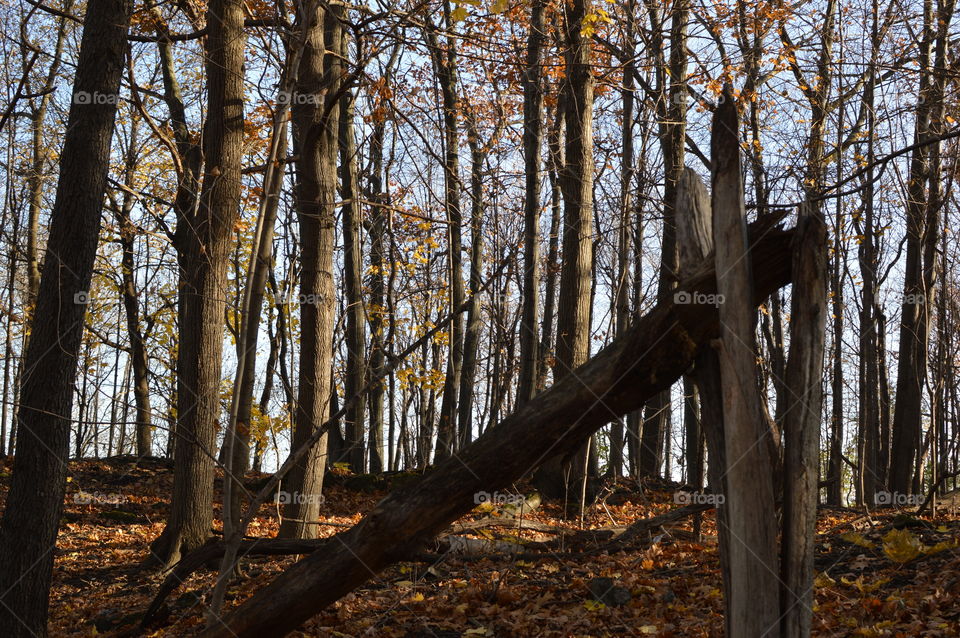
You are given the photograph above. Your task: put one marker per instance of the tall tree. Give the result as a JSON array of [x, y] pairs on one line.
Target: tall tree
[[576, 183], [672, 78], [131, 304], [315, 119], [205, 255], [532, 134], [923, 211], [28, 530], [445, 63], [356, 336]]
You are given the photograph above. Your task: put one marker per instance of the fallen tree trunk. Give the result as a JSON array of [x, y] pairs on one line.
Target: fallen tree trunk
[[650, 356]]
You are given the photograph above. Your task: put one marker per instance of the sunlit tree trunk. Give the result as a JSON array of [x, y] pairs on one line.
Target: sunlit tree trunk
[[207, 243], [315, 127], [576, 182]]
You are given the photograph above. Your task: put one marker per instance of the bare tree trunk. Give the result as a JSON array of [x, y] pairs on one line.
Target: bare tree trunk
[[872, 476], [532, 116], [206, 242], [621, 293], [315, 127], [356, 335], [918, 278], [28, 531], [377, 310], [38, 168], [576, 181], [445, 63], [752, 599], [801, 427], [138, 350], [556, 161], [673, 132], [471, 337]]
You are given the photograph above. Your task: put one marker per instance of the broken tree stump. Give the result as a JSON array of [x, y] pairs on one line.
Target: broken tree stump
[[651, 355]]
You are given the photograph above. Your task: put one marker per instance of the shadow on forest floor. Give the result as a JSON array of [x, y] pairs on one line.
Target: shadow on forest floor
[[885, 575]]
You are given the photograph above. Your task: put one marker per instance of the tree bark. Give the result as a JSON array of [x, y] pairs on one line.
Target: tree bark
[[28, 530], [356, 334], [445, 63], [752, 601], [532, 133], [315, 127], [801, 426], [673, 115], [131, 308], [206, 241], [557, 474]]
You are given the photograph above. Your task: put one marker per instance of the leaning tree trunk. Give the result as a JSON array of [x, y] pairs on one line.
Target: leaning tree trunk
[[28, 531], [315, 129], [207, 243], [558, 474], [655, 352]]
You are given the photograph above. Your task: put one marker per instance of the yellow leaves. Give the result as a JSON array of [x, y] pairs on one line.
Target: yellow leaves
[[865, 588], [499, 6], [823, 580], [593, 605], [460, 13], [593, 20], [428, 380], [857, 539], [901, 546]]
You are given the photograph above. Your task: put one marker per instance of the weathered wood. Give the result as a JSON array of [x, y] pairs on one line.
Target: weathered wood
[[656, 350], [695, 242], [694, 222], [753, 592], [801, 427]]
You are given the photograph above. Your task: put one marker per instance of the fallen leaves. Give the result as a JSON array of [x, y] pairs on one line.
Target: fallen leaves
[[872, 580]]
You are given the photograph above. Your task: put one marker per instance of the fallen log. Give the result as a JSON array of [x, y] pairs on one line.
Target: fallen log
[[651, 355]]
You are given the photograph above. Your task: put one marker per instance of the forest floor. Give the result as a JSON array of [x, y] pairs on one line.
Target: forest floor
[[887, 574]]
